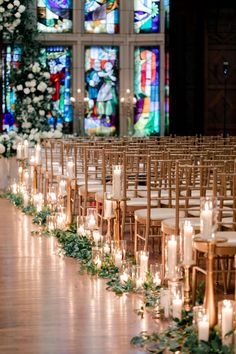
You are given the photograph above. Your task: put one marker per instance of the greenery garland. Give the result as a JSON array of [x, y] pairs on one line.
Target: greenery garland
[[180, 335]]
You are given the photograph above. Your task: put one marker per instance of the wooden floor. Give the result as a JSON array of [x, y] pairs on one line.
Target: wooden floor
[[47, 308]]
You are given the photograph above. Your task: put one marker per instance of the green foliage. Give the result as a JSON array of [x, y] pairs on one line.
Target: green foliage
[[16, 199], [41, 217], [181, 336], [29, 210]]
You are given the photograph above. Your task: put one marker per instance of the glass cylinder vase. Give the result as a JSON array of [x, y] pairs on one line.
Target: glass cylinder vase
[[208, 217]]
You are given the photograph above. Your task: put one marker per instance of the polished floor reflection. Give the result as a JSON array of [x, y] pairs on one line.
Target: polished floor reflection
[[47, 308]]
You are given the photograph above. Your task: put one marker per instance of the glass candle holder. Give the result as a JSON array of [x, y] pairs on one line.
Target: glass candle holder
[[91, 219], [165, 302], [97, 237], [137, 276], [142, 260], [198, 313], [155, 271], [176, 289], [97, 256], [80, 223], [226, 320], [61, 218], [51, 222], [117, 182], [119, 246], [208, 217], [108, 206]]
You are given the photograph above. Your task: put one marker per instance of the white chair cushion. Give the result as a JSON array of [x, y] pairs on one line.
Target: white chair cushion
[[158, 214]]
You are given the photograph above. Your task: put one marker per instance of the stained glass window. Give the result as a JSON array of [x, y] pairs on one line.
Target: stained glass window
[[11, 59], [54, 16], [147, 90], [59, 62], [101, 78], [101, 16], [146, 16]]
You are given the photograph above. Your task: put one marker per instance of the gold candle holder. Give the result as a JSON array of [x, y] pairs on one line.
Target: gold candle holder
[[187, 288], [117, 233], [209, 247]]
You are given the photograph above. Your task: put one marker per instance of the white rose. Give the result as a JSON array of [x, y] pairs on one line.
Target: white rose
[[57, 134], [1, 2], [33, 89], [27, 84], [19, 87], [10, 6], [46, 75], [2, 9], [17, 15], [30, 109], [12, 133], [44, 134], [33, 83], [40, 98], [59, 126], [42, 86], [26, 125], [35, 99], [41, 112], [16, 3], [21, 8], [2, 149], [26, 90], [30, 76]]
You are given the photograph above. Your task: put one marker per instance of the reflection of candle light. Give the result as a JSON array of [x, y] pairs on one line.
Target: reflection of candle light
[[203, 329]]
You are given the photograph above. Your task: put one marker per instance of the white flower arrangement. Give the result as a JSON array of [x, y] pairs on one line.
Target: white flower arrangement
[[10, 15], [33, 98]]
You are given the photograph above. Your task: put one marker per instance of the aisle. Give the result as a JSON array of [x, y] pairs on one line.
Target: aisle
[[47, 308]]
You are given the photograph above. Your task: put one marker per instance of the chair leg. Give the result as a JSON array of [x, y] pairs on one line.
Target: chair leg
[[223, 271]]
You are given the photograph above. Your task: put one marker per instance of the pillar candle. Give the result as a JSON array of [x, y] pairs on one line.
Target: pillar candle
[[203, 329], [143, 264], [188, 242], [26, 199], [62, 188], [26, 178], [70, 169], [117, 182], [227, 317], [206, 222], [172, 257], [19, 151], [118, 258], [26, 149], [124, 277], [38, 154], [108, 209], [96, 236]]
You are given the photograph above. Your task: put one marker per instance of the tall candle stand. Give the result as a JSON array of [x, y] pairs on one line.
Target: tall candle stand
[[117, 221], [209, 247], [21, 169], [187, 288]]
